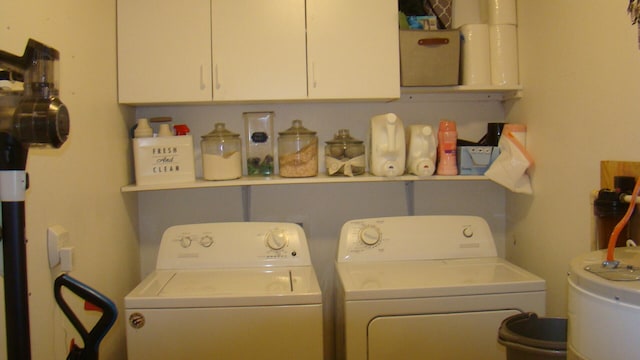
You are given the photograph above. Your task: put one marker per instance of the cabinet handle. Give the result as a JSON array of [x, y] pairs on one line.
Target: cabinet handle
[[314, 82], [217, 79], [433, 41], [202, 83]]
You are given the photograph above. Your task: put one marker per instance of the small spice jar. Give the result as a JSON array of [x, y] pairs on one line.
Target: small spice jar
[[344, 155], [221, 154], [298, 151]]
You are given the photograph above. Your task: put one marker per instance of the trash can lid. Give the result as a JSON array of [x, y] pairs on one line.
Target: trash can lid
[[527, 329]]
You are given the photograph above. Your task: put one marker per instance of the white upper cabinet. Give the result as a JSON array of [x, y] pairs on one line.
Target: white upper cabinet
[[352, 49], [164, 51], [256, 50], [259, 50]]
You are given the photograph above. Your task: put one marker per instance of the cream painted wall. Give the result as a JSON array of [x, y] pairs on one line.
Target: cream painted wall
[[581, 85], [77, 186], [580, 68]]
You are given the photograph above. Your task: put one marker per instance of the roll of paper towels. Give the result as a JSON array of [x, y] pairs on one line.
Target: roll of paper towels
[[502, 12], [503, 41], [476, 59], [465, 12]]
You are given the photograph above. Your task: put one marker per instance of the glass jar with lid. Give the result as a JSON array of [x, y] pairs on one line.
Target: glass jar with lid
[[298, 151], [221, 154], [344, 155]]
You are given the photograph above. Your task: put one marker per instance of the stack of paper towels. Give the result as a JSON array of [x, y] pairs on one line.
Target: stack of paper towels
[[490, 41]]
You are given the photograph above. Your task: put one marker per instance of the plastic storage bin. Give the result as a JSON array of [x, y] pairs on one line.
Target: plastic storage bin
[[528, 337]]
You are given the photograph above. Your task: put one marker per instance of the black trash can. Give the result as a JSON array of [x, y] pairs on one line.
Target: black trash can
[[528, 337]]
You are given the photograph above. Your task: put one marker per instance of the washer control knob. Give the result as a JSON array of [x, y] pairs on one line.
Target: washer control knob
[[370, 235], [206, 241], [276, 239], [467, 231], [185, 241]]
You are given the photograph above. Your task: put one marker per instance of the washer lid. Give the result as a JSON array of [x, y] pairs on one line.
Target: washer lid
[[586, 272], [226, 287], [432, 278]]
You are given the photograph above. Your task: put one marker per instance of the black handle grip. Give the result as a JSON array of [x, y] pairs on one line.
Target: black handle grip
[[93, 337]]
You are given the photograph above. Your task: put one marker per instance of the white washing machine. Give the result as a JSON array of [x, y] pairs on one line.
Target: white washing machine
[[604, 306], [426, 287], [243, 290]]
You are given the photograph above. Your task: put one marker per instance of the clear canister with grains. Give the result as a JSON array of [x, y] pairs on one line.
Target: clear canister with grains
[[298, 151]]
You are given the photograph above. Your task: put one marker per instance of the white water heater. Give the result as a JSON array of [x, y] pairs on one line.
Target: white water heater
[[604, 306]]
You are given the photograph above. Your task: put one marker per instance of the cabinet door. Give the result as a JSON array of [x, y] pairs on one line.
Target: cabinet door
[[259, 49], [164, 51], [352, 49]]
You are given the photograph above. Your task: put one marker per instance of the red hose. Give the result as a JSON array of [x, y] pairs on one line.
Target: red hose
[[622, 223]]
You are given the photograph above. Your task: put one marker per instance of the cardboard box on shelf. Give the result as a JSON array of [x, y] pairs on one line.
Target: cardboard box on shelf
[[429, 58]]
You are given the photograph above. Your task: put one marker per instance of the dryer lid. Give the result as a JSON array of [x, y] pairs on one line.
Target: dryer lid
[[226, 287], [433, 278]]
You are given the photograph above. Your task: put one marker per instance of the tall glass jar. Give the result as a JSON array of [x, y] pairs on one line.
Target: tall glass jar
[[221, 154], [298, 151], [344, 155]]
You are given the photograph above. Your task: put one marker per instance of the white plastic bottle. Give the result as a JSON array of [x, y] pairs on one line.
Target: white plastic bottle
[[164, 130], [143, 129], [421, 150], [447, 147]]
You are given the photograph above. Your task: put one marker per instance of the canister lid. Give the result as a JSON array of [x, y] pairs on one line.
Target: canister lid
[[297, 129], [220, 132], [343, 137]]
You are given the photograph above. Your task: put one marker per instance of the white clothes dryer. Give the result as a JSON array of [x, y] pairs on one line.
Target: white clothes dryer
[[426, 287], [242, 290]]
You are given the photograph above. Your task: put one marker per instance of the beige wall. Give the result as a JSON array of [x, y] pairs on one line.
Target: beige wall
[[77, 186], [579, 65]]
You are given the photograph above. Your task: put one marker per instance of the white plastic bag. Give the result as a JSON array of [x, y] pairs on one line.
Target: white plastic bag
[[510, 168]]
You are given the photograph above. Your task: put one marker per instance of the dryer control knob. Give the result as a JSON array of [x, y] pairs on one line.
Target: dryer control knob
[[276, 239], [370, 235], [185, 241], [206, 241], [467, 231]]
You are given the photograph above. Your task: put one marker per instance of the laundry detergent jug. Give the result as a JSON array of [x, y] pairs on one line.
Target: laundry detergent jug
[[387, 146], [421, 150]]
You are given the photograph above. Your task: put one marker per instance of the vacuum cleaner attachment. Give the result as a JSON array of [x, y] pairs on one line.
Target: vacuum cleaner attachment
[[35, 116]]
